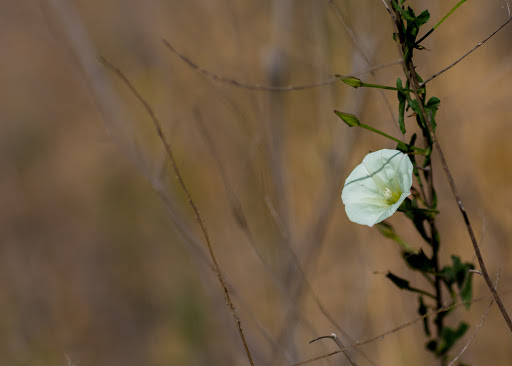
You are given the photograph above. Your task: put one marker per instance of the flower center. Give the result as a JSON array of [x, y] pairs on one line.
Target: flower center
[[391, 196]]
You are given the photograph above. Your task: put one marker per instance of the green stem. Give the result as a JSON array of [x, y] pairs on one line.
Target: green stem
[[377, 86], [449, 13], [425, 36], [370, 128], [417, 290], [405, 246], [430, 280], [441, 21], [358, 83], [426, 210]]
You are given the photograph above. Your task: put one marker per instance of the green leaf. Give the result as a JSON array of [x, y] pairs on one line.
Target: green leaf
[[431, 345], [402, 97], [432, 107], [460, 275], [348, 118], [402, 146], [450, 337], [403, 284], [433, 204], [399, 282], [463, 278], [413, 103], [418, 261], [405, 14], [466, 293], [423, 18], [350, 80], [448, 275], [459, 270], [417, 218]]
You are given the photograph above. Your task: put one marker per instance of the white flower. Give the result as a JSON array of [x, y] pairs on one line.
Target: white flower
[[377, 187]]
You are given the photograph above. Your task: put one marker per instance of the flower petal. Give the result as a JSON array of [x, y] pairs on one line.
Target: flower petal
[[364, 214], [368, 189]]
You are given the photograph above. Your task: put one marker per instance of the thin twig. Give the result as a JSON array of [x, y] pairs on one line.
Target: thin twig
[[357, 45], [394, 330], [190, 201], [287, 88], [477, 327], [456, 195], [243, 224], [336, 340], [466, 54], [307, 286], [194, 244]]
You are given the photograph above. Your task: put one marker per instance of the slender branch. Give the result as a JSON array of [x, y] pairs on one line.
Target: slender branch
[[412, 81], [287, 88], [409, 69], [466, 54], [336, 340], [358, 344], [476, 248], [190, 201], [363, 54], [243, 224], [477, 328]]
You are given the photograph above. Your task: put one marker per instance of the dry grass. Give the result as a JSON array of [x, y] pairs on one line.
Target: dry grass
[[101, 261]]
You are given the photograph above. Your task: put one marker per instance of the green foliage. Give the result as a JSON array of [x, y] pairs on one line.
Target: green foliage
[[402, 97], [398, 281], [459, 274], [448, 338], [403, 284], [421, 209], [431, 108], [418, 261], [422, 311]]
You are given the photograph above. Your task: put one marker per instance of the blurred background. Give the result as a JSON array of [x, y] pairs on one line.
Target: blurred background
[[101, 259]]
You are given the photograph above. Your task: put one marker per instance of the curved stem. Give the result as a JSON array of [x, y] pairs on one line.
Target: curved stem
[[409, 70], [476, 248]]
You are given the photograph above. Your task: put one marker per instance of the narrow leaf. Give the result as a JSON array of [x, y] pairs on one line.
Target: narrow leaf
[[422, 310], [432, 107], [402, 11], [450, 336], [466, 293], [402, 97], [423, 18], [418, 261], [403, 284], [399, 282]]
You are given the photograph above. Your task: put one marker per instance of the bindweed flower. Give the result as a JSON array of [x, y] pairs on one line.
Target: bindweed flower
[[377, 187]]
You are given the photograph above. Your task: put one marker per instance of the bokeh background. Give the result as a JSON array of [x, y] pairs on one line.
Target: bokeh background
[[101, 260]]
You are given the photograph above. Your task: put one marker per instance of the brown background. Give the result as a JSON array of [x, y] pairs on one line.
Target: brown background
[[97, 269]]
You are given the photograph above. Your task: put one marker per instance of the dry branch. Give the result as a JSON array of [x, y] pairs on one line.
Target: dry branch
[[190, 201]]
